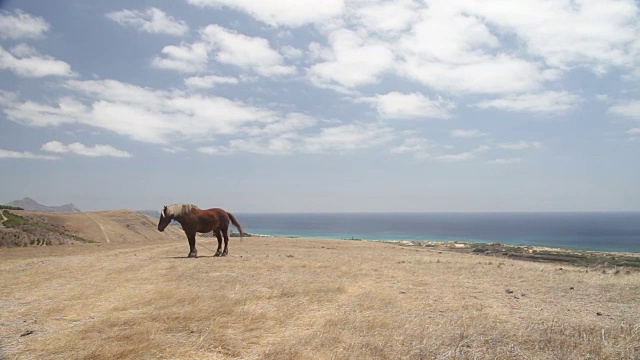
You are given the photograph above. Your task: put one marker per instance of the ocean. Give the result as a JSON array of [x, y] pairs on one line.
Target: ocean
[[599, 231]]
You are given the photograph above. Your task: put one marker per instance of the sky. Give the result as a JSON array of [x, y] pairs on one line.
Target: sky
[[322, 106]]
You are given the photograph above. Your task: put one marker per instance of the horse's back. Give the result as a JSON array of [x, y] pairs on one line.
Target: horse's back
[[219, 214], [216, 211]]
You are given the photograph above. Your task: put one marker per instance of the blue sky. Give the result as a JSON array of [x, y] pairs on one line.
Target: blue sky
[[339, 105]]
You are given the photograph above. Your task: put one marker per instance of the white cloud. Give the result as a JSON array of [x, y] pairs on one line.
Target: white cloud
[[488, 74], [566, 33], [521, 145], [174, 149], [375, 16], [149, 115], [445, 34], [507, 161], [81, 149], [350, 61], [152, 20], [634, 131], [290, 123], [291, 13], [396, 105], [328, 140], [556, 102], [461, 133], [291, 52], [186, 58], [464, 156], [117, 91], [280, 145], [215, 150], [347, 137], [66, 111], [245, 52], [21, 25], [10, 154], [25, 61], [630, 109], [209, 81], [449, 50], [55, 146], [416, 146], [458, 47], [464, 47]]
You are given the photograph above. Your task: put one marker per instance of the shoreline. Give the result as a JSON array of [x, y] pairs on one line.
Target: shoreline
[[453, 241], [532, 253], [585, 231], [584, 258]]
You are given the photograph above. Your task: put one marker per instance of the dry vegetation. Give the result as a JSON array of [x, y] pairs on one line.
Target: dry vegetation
[[275, 298], [20, 230]]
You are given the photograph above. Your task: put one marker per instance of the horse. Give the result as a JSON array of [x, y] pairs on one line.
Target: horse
[[194, 219]]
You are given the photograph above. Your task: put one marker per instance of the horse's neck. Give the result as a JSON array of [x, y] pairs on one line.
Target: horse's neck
[[182, 216]]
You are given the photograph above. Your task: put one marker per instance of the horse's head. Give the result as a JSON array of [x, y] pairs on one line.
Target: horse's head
[[165, 218]]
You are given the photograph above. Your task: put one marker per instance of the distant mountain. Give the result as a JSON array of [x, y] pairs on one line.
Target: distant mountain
[[32, 205], [152, 213]]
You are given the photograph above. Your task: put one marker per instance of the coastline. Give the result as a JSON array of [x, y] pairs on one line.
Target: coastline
[[590, 231], [533, 253], [585, 258]]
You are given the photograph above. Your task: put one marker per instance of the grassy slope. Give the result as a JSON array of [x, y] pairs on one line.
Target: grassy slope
[[28, 230], [12, 220], [301, 299]]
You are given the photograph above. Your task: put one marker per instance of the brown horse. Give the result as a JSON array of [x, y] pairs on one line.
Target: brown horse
[[195, 220]]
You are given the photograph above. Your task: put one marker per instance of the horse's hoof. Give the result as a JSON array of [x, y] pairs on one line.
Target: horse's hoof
[[192, 255], [217, 254], [224, 254]]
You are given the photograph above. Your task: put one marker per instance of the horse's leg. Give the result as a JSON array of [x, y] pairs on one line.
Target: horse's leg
[[217, 232], [225, 233], [192, 244]]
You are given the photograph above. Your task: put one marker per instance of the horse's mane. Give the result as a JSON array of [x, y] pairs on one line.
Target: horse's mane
[[179, 209]]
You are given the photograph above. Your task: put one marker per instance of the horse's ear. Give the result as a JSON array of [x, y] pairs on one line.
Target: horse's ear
[[164, 211]]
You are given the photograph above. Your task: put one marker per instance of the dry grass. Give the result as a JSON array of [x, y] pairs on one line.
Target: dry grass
[[277, 298]]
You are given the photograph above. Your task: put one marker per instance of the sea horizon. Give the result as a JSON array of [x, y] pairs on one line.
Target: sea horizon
[[614, 231]]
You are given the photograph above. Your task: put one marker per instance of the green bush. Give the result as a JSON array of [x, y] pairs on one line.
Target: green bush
[[8, 207], [14, 220]]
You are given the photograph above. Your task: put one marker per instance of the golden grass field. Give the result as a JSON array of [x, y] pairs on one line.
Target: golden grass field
[[282, 298]]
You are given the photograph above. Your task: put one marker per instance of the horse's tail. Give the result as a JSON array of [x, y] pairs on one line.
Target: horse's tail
[[235, 223]]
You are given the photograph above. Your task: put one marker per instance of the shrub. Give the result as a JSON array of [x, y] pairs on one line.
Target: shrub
[[14, 220], [8, 207]]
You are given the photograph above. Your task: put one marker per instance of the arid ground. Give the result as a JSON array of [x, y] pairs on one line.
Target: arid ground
[[132, 294]]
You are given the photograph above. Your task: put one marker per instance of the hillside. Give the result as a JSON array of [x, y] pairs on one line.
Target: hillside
[[55, 228], [151, 213], [32, 205]]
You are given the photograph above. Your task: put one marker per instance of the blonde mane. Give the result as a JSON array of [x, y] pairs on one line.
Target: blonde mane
[[179, 209]]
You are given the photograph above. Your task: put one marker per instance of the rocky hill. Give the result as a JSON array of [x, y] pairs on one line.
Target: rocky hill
[[32, 205]]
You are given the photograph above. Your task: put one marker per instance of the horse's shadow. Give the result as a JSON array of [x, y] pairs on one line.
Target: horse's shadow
[[186, 257]]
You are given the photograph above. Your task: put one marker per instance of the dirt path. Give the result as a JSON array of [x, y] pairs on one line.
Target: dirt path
[[104, 233]]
